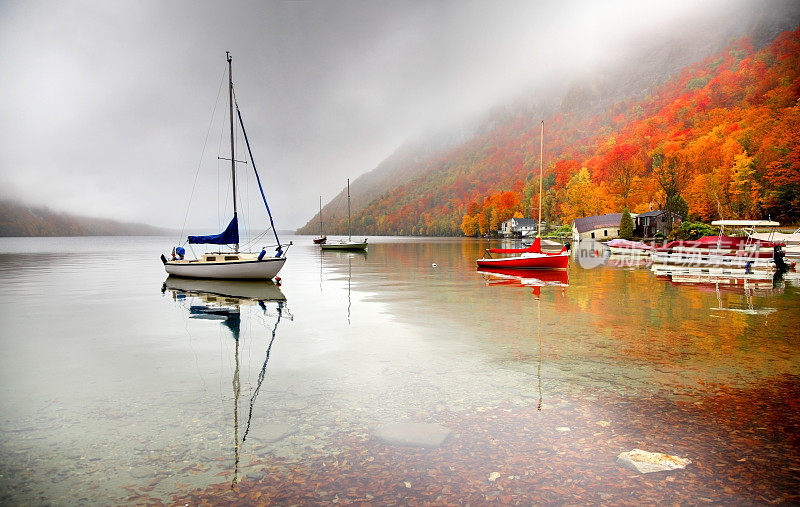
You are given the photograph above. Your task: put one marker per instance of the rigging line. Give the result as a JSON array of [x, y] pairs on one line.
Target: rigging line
[[246, 204], [262, 373], [202, 153], [255, 239], [258, 179]]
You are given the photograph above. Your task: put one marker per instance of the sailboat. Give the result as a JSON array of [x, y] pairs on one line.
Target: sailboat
[[349, 244], [531, 257], [322, 238], [230, 265]]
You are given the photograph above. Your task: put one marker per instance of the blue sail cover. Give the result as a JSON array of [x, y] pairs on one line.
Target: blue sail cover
[[227, 237]]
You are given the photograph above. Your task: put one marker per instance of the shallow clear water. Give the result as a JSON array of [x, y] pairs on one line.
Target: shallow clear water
[[112, 386]]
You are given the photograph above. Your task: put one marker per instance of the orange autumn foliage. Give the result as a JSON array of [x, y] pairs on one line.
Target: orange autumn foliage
[[724, 133]]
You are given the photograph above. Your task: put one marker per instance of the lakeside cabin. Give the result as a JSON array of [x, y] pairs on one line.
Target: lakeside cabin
[[599, 227], [647, 225], [518, 228]]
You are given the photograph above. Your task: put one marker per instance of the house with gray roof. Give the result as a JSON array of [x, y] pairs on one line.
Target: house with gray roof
[[518, 227], [600, 227]]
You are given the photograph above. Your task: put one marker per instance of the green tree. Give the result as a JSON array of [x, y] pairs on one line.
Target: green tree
[[676, 205], [626, 225]]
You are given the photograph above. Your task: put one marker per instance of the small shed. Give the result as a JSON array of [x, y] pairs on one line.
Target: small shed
[[599, 227]]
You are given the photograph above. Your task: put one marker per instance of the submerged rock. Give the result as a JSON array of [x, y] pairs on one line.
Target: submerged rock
[[413, 434], [646, 462]]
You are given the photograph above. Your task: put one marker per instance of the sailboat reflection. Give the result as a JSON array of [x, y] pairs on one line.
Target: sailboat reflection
[[526, 277], [529, 278], [222, 300]]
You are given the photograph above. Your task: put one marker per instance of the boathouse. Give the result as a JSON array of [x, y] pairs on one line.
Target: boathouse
[[600, 227]]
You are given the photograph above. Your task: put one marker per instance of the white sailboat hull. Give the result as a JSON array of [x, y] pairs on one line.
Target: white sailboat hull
[[264, 269], [345, 245]]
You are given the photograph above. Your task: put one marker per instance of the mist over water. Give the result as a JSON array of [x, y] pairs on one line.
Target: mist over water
[[115, 100]]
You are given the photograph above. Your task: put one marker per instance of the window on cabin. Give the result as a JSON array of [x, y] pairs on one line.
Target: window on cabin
[[592, 235], [605, 232], [210, 258], [231, 257]]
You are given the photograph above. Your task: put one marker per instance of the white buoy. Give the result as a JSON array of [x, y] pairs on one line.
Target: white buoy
[[433, 265]]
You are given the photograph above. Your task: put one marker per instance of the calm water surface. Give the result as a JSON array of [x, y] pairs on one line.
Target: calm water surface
[[113, 386]]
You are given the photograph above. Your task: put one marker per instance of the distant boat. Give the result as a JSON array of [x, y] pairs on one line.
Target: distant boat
[[349, 244], [321, 238], [230, 265], [531, 257]]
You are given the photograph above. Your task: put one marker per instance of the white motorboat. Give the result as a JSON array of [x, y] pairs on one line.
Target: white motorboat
[[791, 240], [726, 254]]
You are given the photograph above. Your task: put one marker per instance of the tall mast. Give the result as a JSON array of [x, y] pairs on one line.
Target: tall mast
[[349, 231], [541, 156], [233, 154], [320, 216]]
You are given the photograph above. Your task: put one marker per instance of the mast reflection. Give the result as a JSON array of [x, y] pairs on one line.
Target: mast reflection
[[222, 301], [535, 278]]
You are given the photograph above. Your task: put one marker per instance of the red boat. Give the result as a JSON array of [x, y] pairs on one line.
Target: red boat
[[321, 240], [526, 258], [531, 257]]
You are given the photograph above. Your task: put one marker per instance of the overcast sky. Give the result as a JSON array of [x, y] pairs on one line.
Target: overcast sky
[[105, 105]]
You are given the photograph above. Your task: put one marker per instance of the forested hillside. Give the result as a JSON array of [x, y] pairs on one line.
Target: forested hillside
[[721, 135], [18, 220]]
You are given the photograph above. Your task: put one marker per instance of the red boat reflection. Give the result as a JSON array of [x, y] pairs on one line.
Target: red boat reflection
[[526, 277]]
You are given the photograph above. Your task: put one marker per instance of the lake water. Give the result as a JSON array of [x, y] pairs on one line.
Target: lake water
[[117, 389]]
